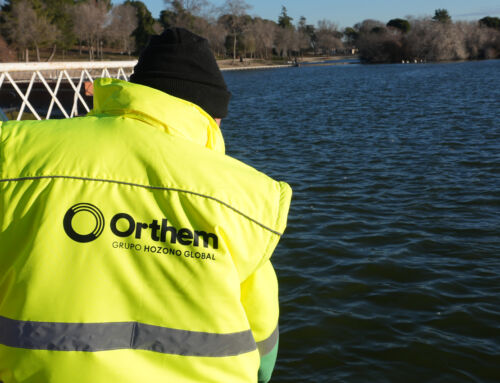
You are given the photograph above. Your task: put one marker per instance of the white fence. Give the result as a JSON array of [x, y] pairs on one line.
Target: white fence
[[20, 78]]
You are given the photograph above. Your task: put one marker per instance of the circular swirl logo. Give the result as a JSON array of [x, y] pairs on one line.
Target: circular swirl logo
[[78, 208]]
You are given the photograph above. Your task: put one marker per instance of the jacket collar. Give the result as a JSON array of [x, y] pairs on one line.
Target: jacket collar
[[175, 116]]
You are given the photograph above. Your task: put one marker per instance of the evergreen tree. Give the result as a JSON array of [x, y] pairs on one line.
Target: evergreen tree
[[401, 24], [145, 24], [490, 22], [442, 16], [177, 16], [284, 21], [352, 35]]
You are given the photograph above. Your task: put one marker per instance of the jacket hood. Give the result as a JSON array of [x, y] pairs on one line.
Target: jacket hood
[[175, 116]]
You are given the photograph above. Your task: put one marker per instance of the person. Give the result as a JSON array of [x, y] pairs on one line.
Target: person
[[131, 247]]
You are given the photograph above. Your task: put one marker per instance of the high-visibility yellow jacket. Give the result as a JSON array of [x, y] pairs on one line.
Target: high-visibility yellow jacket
[[132, 249]]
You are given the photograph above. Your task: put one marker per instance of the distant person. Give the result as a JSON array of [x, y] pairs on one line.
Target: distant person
[[132, 249]]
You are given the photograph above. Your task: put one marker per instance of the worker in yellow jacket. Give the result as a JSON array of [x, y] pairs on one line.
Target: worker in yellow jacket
[[132, 249]]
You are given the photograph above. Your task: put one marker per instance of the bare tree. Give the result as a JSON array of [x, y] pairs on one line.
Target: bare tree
[[89, 20], [480, 42], [20, 26], [304, 42], [264, 33], [190, 14], [6, 54], [216, 36], [248, 42], [328, 36], [287, 37], [233, 12], [428, 40], [123, 23], [194, 7], [29, 29], [451, 43], [433, 41], [286, 40], [305, 34]]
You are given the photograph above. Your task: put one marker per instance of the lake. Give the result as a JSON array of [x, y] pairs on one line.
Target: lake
[[389, 269]]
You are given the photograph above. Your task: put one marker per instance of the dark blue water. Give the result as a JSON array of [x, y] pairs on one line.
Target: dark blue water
[[390, 267]]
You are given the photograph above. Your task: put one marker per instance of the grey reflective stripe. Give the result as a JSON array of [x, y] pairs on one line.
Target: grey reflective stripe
[[92, 337], [267, 345], [146, 187]]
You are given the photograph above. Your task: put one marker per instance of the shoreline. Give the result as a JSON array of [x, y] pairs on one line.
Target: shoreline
[[254, 67], [247, 64]]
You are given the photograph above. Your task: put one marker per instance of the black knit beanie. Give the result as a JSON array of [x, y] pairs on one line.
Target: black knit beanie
[[181, 64]]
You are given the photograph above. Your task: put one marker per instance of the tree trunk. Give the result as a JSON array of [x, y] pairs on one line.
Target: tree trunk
[[27, 55], [234, 48], [91, 50], [52, 54], [37, 50]]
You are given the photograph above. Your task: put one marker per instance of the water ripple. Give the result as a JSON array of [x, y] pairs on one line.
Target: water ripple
[[389, 268]]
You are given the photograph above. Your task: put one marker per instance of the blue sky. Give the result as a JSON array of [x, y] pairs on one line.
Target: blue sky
[[347, 13]]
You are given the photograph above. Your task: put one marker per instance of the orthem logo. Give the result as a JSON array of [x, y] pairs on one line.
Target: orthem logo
[[124, 225], [78, 209]]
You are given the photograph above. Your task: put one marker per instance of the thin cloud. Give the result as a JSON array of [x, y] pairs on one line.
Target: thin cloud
[[485, 12]]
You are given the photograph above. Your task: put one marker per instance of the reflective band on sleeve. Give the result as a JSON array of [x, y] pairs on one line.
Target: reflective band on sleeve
[[267, 345], [92, 337]]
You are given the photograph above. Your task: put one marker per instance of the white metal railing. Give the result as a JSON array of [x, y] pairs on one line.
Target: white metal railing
[[52, 76]]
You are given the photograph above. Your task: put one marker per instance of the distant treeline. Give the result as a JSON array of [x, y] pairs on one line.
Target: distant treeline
[[90, 27], [426, 39]]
